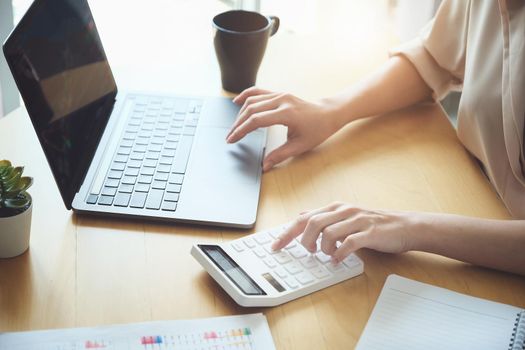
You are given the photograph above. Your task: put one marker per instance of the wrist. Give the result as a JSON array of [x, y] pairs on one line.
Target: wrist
[[416, 228], [336, 112]]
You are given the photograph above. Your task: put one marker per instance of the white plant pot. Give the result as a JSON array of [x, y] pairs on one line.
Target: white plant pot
[[14, 234]]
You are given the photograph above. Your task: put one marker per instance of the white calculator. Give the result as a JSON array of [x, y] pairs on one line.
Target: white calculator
[[255, 275]]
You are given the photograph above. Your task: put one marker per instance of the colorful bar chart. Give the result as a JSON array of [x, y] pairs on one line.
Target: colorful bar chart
[[245, 332], [231, 339]]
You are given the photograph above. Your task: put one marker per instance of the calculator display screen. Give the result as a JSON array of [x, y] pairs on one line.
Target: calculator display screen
[[234, 272]]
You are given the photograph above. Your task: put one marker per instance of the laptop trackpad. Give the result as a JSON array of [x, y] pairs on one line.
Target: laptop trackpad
[[215, 161]]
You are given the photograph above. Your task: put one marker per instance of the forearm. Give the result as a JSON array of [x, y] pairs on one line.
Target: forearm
[[397, 84], [498, 244]]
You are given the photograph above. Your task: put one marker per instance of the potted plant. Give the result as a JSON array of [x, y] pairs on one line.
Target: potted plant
[[15, 210]]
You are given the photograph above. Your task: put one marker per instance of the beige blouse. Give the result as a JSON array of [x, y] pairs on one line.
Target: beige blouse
[[478, 46]]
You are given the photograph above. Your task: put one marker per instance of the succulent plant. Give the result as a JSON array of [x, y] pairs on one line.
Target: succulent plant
[[13, 196]]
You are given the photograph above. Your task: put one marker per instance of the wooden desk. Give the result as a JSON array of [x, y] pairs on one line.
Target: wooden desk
[[87, 271]]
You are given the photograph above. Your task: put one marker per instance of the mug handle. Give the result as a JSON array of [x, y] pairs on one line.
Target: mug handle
[[275, 24]]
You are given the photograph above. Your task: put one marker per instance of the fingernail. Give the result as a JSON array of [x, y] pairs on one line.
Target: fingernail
[[267, 166], [335, 261], [275, 244]]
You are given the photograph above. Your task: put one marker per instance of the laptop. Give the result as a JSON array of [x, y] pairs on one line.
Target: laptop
[[140, 155]]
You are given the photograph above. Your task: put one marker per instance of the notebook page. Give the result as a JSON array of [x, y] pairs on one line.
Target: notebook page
[[413, 315]]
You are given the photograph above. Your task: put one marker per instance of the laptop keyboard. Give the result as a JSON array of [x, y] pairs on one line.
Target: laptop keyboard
[[148, 167]]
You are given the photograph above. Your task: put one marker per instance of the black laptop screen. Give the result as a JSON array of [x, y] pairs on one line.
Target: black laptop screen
[[61, 70]]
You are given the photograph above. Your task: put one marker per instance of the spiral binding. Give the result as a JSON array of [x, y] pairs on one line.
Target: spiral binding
[[517, 341]]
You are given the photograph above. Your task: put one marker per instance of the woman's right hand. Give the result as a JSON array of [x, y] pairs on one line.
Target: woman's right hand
[[309, 124]]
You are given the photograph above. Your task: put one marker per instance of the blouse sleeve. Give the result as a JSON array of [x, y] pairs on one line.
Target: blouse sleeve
[[438, 53]]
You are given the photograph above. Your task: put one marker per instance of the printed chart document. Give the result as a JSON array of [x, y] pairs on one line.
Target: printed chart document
[[245, 332], [412, 315]]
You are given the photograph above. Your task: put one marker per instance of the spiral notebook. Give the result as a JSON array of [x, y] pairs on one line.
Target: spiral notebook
[[413, 315]]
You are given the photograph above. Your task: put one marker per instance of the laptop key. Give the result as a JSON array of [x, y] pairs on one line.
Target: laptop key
[[168, 153], [145, 179], [141, 187], [153, 155], [132, 172], [173, 188], [138, 199], [139, 148], [152, 163], [109, 191], [154, 199], [173, 138], [176, 179], [155, 147], [125, 188], [105, 200], [136, 156], [121, 199], [124, 151], [147, 171], [161, 176], [169, 206], [170, 145], [118, 166], [92, 199], [163, 168], [189, 130], [183, 153], [112, 183], [121, 158], [166, 160], [159, 185], [115, 174], [134, 163], [126, 143], [129, 180], [171, 197]]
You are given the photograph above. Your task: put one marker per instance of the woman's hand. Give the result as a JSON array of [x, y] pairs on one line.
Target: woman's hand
[[344, 229], [309, 124]]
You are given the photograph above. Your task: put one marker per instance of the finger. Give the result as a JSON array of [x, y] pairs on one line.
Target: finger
[[337, 233], [319, 222], [350, 244], [256, 99], [258, 120], [296, 228], [280, 154], [239, 99], [265, 102]]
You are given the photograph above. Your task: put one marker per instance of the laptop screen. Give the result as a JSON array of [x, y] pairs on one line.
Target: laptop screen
[[61, 70]]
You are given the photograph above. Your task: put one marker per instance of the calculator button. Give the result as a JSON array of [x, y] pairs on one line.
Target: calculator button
[[274, 233], [351, 261], [298, 252], [322, 257], [269, 262], [268, 248], [335, 268], [305, 277], [309, 262], [262, 238], [293, 267], [249, 242], [281, 272], [291, 282], [238, 246], [259, 252], [282, 257], [320, 272]]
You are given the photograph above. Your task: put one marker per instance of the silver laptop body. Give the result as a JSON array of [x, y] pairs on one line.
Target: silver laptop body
[[139, 155]]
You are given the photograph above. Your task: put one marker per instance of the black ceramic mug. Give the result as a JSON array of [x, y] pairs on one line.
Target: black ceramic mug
[[240, 39]]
